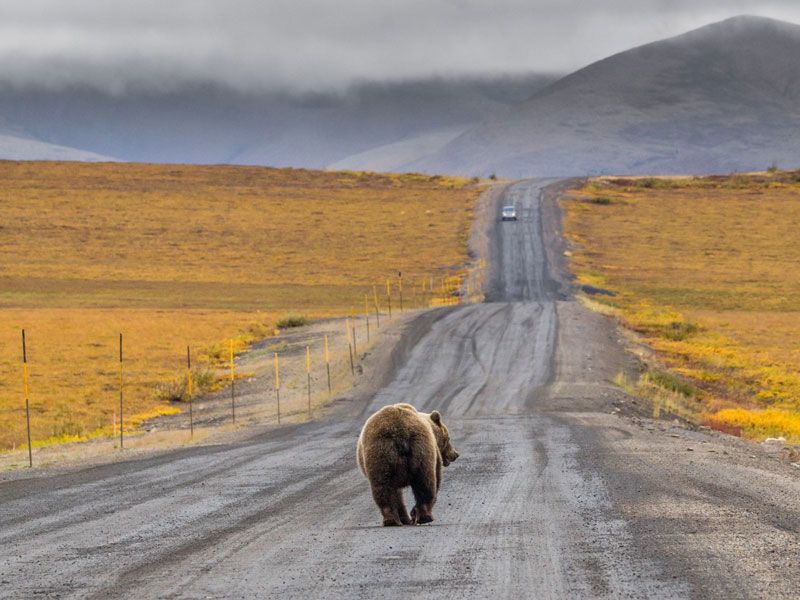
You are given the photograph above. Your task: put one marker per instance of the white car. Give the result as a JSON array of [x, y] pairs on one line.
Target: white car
[[509, 213]]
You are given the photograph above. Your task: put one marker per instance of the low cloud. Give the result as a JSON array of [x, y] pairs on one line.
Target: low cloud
[[314, 45]]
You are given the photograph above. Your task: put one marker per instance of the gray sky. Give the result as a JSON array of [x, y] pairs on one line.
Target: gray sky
[[304, 45]]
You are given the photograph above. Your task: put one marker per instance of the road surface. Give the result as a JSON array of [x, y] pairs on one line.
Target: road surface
[[553, 495]]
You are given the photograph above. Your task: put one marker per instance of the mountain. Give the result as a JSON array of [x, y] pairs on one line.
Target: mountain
[[722, 98], [211, 124], [15, 145]]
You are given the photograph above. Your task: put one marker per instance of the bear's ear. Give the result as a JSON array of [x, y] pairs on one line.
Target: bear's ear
[[436, 417]]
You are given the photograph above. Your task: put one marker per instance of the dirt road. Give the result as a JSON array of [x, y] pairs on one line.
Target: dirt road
[[553, 496]]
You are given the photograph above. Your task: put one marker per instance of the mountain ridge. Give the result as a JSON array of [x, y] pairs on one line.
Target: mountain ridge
[[716, 99]]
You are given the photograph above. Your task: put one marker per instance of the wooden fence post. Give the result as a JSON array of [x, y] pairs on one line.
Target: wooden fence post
[[190, 390], [308, 378], [278, 386], [121, 418], [233, 386], [27, 401]]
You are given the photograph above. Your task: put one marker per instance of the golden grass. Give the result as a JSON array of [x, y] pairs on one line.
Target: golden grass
[[705, 269], [758, 424], [174, 255]]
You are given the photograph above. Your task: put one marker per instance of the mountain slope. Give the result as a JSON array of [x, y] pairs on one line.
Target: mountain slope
[[17, 148], [208, 124], [721, 98], [18, 145]]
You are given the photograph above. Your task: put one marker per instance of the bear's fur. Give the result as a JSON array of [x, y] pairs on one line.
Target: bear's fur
[[398, 447]]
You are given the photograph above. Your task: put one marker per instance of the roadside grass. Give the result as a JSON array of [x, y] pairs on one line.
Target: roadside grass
[[174, 255], [704, 269], [666, 394]]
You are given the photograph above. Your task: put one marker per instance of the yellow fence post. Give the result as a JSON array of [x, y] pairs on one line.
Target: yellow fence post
[[278, 386], [389, 297], [27, 401]]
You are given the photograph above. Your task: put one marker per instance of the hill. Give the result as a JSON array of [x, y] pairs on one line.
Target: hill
[[17, 147], [210, 124], [722, 98]]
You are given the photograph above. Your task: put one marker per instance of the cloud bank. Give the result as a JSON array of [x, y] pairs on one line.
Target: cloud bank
[[319, 45]]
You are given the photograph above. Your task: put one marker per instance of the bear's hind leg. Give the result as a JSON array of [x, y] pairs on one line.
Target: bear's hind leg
[[401, 508], [424, 486], [386, 499]]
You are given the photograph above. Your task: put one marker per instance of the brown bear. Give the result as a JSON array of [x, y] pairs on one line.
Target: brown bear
[[398, 447]]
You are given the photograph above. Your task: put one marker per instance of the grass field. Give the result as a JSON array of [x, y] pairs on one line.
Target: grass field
[[706, 270], [175, 255]]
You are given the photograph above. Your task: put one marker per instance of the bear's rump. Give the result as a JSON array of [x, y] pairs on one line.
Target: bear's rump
[[395, 461]]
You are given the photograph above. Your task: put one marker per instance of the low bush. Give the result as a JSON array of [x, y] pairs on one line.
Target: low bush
[[671, 383], [292, 321]]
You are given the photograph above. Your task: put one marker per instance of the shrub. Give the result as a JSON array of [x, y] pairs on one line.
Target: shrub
[[171, 391], [648, 182], [292, 321], [176, 390], [671, 383], [679, 330]]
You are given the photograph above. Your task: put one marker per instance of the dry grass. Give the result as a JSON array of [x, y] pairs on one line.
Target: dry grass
[[175, 255], [705, 269]]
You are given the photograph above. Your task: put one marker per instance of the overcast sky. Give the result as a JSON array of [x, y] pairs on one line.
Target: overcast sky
[[319, 44]]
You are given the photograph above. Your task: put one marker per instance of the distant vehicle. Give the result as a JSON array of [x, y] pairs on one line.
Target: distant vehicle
[[509, 213]]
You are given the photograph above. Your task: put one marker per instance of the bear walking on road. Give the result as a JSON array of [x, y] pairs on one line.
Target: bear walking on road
[[398, 447]]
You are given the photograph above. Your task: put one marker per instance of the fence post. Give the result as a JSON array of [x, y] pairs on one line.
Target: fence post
[[349, 345], [400, 288], [278, 387], [328, 366], [190, 390], [389, 297], [308, 378], [27, 401], [355, 346], [121, 418], [377, 310], [366, 312], [233, 387]]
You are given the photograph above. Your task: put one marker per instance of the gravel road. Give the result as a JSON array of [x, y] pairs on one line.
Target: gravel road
[[562, 490]]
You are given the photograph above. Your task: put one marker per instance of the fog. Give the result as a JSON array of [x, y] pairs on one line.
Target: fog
[[320, 45]]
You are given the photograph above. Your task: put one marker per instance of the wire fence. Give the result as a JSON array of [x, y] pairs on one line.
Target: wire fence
[[302, 379]]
